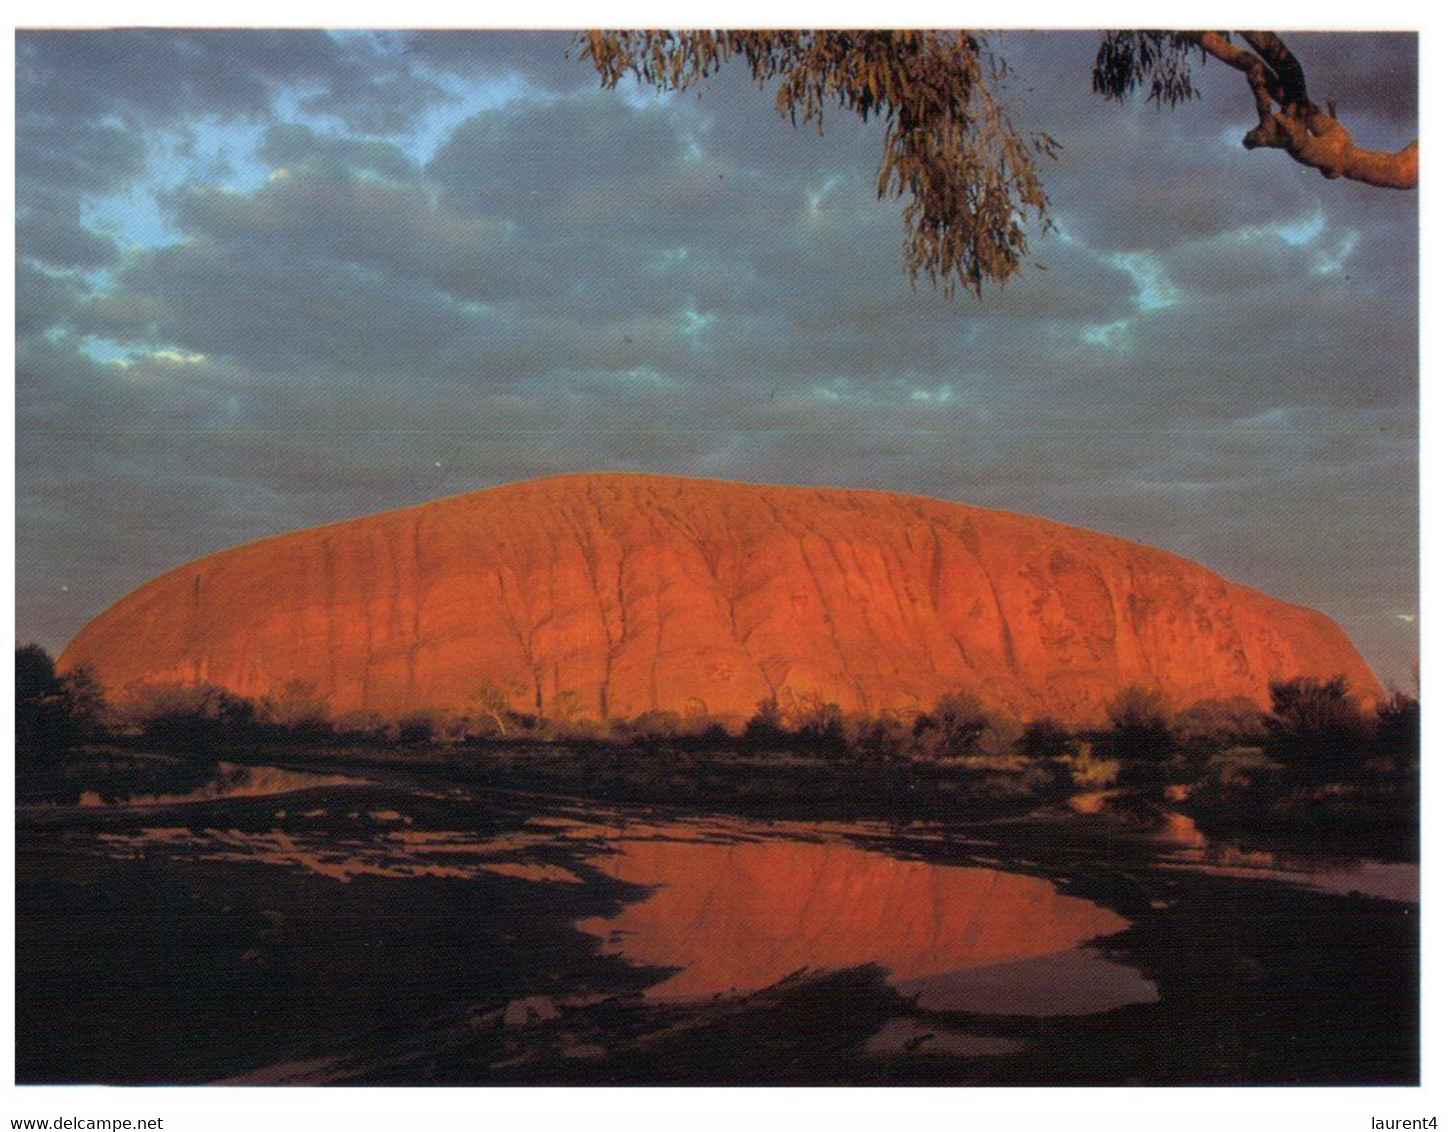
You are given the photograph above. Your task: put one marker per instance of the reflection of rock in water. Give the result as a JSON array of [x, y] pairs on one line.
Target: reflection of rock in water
[[745, 915]]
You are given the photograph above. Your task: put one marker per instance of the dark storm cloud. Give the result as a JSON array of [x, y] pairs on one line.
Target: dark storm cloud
[[87, 100], [570, 158], [165, 75], [1365, 75], [1222, 347]]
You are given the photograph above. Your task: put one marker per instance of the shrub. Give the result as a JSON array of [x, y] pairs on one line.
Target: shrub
[[1091, 773], [495, 700], [820, 728], [953, 729], [880, 737], [419, 727], [1399, 736], [656, 725], [1045, 738], [1215, 725], [299, 708], [53, 712], [765, 728], [1139, 731], [1316, 730], [1000, 738], [1241, 768], [192, 718]]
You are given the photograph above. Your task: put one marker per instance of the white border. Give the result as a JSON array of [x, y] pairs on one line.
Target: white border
[[729, 1110]]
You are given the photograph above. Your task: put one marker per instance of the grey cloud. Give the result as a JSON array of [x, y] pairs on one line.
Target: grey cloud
[[372, 103], [168, 76], [512, 155], [59, 160], [62, 241], [1372, 74], [44, 299], [388, 226], [163, 75], [539, 57], [292, 144], [278, 313]]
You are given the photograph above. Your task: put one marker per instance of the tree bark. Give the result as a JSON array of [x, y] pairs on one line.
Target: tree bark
[[1290, 121]]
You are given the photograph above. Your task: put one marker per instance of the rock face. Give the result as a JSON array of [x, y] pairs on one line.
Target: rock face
[[618, 594]]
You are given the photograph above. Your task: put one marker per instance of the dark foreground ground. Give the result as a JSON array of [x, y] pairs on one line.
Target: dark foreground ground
[[348, 933]]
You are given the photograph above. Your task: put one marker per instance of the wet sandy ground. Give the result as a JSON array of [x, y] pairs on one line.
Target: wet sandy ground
[[284, 926]]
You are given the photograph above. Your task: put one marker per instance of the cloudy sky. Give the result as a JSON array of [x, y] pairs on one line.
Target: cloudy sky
[[269, 280]]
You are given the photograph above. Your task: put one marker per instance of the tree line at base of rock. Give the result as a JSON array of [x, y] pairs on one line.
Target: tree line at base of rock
[[1314, 735]]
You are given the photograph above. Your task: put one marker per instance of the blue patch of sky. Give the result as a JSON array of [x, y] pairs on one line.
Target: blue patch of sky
[[1302, 231], [1329, 262], [1154, 291], [105, 350], [211, 152], [694, 322], [465, 97], [378, 43], [469, 99], [940, 395], [1114, 335], [223, 153]]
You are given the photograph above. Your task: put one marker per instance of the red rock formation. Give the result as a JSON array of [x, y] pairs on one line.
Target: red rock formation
[[626, 593]]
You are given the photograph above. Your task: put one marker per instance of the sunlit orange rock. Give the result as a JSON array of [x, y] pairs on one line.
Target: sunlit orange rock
[[618, 594]]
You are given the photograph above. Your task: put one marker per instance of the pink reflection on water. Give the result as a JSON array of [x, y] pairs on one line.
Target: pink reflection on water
[[742, 916]]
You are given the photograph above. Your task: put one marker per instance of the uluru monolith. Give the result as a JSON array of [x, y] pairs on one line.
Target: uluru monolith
[[619, 594]]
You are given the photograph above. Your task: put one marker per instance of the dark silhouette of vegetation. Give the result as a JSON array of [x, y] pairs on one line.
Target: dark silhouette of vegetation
[[1317, 764], [52, 710], [1140, 736], [953, 729], [1046, 738], [1317, 731], [1214, 725], [821, 729], [765, 727], [414, 729], [197, 719], [1399, 738]]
